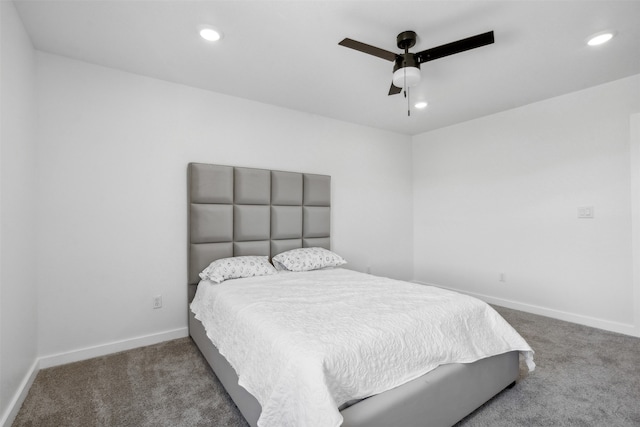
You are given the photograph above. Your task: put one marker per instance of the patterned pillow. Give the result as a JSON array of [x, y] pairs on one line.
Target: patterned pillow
[[237, 267], [305, 259]]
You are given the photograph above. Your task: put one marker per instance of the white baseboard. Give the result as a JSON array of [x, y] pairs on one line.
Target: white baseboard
[[607, 325], [21, 394], [109, 348]]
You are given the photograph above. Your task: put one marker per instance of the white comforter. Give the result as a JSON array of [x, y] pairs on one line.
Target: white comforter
[[305, 343]]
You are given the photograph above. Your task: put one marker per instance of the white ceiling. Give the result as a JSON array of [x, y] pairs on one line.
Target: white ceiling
[[286, 53]]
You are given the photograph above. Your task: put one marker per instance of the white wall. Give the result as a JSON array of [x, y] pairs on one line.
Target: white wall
[[635, 211], [18, 291], [112, 217], [500, 195]]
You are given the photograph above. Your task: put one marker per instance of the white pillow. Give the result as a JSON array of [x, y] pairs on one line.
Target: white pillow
[[237, 267], [305, 259]]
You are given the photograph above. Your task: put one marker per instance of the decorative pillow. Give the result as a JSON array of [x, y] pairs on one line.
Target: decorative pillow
[[306, 259], [237, 267]]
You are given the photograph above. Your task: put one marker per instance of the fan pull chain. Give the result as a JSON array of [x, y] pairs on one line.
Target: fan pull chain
[[404, 72], [406, 89]]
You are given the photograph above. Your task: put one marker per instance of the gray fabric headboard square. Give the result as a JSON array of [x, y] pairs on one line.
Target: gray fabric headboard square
[[235, 211]]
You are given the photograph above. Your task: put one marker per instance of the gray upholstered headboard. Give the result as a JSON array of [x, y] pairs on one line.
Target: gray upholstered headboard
[[235, 211]]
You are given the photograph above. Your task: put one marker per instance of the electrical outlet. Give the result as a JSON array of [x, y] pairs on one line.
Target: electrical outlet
[[157, 301], [503, 278]]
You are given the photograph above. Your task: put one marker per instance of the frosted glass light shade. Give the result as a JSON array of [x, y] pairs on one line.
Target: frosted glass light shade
[[412, 77]]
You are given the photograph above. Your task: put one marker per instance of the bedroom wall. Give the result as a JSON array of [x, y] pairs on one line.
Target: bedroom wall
[[18, 292], [112, 155], [500, 194]]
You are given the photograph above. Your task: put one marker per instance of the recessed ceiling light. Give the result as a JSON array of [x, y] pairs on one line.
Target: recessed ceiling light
[[421, 105], [210, 34], [600, 38]]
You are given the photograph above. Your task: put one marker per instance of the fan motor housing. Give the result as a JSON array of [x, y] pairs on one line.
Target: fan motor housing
[[405, 60]]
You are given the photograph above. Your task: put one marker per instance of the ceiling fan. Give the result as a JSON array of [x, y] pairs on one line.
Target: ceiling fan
[[406, 71]]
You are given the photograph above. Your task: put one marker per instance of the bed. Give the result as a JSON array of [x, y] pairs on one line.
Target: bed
[[238, 212]]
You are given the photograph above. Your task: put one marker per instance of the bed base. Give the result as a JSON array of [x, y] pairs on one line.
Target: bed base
[[439, 398]]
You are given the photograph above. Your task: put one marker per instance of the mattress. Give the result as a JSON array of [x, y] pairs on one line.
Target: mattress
[[305, 343]]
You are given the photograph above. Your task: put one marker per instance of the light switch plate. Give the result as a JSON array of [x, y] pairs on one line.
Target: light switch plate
[[585, 212]]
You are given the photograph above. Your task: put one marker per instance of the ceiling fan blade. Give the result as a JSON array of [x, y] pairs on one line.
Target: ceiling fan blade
[[371, 50], [394, 90], [455, 47]]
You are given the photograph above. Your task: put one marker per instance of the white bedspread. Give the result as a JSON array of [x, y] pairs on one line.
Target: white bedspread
[[305, 343]]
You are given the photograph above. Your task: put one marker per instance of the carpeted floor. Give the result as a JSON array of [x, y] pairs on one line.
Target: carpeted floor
[[167, 384], [584, 377]]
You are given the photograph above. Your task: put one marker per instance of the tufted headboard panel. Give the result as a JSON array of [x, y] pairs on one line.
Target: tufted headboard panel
[[235, 211]]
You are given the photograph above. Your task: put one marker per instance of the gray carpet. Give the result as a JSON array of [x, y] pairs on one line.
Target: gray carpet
[[584, 377], [167, 384]]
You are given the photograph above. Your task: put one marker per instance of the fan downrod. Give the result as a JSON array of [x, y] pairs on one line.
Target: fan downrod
[[406, 40]]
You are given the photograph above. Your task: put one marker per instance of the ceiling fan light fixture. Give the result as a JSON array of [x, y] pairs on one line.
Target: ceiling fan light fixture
[[406, 77], [421, 105]]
